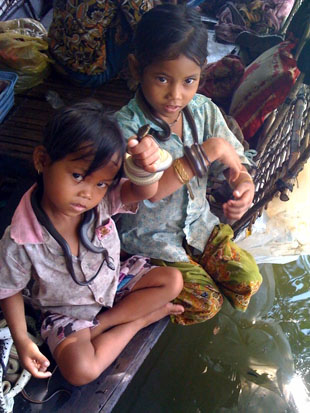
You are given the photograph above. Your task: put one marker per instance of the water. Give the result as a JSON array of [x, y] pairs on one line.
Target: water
[[258, 362]]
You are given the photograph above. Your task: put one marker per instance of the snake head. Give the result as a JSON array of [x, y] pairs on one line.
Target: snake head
[[143, 131]]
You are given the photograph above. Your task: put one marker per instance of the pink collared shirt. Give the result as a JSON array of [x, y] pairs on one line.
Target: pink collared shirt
[[29, 253]]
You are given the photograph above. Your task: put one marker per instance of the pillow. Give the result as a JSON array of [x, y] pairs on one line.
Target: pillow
[[263, 87], [220, 79]]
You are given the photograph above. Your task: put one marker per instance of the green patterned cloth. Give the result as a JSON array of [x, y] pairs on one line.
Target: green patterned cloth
[[222, 269]]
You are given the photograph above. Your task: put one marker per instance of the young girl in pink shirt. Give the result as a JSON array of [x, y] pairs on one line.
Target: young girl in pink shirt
[[62, 239]]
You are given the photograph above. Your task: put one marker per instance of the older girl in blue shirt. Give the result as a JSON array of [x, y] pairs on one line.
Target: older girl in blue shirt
[[179, 229]]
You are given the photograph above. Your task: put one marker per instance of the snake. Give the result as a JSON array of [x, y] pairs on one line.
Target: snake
[[88, 218], [149, 114]]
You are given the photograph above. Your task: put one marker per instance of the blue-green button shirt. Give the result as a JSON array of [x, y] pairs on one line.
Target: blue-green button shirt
[[158, 229]]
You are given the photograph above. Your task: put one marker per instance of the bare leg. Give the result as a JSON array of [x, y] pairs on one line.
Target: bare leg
[[81, 359], [156, 288]]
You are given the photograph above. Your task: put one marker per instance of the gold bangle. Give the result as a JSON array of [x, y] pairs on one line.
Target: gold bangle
[[247, 173], [249, 177], [180, 172], [182, 176]]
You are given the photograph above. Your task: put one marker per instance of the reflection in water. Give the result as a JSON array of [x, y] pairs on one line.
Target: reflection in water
[[253, 362], [299, 394]]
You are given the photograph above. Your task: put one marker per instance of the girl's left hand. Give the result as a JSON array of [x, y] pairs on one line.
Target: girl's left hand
[[243, 195], [145, 153]]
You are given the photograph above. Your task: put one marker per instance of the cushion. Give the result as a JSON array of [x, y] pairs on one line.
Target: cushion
[[263, 87], [220, 79]]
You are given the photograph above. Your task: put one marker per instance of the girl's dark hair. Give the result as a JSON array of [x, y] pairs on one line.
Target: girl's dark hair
[[84, 126], [167, 31], [164, 33]]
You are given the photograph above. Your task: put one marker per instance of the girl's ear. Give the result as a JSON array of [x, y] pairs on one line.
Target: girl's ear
[[134, 67], [41, 158]]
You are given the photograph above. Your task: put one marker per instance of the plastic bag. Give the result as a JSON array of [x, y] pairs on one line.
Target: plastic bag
[[23, 50]]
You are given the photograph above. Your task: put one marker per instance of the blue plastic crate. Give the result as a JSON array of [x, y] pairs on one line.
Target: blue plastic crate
[[7, 95]]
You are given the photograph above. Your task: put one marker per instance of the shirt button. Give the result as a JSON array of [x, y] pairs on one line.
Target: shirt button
[[100, 300]]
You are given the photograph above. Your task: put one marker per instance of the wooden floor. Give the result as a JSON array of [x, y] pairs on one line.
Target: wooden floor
[[19, 134], [21, 130]]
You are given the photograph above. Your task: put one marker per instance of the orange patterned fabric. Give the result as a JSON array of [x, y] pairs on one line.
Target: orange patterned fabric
[[231, 267], [223, 269]]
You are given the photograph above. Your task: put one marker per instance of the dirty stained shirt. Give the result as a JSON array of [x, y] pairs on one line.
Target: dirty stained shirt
[[158, 229], [29, 252]]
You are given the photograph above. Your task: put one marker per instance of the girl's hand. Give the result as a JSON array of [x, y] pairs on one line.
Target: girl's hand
[[218, 149], [243, 194], [32, 359], [145, 153]]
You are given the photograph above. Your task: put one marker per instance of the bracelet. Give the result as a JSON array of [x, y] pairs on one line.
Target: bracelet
[[190, 159], [249, 179], [205, 154], [247, 173], [195, 157], [181, 172], [246, 180], [182, 176], [199, 154], [139, 176]]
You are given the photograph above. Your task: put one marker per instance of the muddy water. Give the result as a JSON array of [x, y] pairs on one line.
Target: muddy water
[[257, 362]]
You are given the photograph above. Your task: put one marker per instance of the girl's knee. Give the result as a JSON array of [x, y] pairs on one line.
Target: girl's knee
[[79, 373], [77, 362], [175, 280]]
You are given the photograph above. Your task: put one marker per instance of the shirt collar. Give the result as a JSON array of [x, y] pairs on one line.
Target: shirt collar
[[25, 228], [197, 101]]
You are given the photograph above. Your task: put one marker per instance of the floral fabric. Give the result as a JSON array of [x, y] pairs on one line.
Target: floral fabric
[[224, 269], [87, 36]]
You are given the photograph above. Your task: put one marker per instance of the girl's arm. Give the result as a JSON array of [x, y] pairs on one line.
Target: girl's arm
[[30, 356], [216, 149], [131, 193]]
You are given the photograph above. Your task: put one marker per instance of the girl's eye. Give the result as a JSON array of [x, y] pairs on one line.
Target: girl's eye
[[77, 177], [162, 79], [101, 185], [190, 80]]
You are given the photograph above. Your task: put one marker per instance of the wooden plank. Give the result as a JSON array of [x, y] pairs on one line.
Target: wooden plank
[[102, 395], [20, 134]]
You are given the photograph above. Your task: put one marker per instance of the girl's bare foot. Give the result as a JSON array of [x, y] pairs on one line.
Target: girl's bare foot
[[162, 312]]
